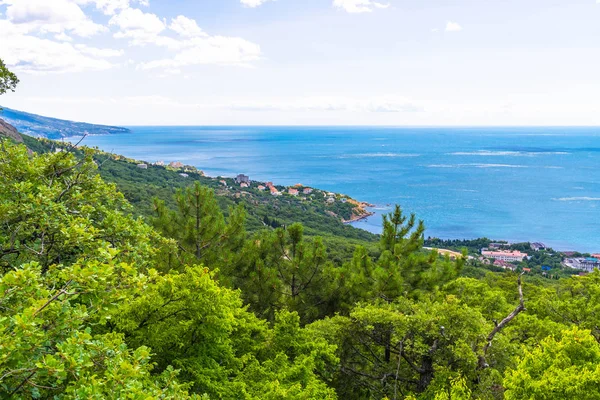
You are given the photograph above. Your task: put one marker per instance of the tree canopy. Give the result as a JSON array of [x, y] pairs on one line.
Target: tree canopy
[[8, 80]]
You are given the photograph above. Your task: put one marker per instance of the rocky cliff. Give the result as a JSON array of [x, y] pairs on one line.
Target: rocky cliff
[[10, 131]]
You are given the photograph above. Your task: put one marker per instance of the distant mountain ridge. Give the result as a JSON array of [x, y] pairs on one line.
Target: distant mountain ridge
[[53, 128]]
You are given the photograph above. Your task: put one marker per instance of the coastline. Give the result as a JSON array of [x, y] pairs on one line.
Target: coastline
[[358, 218]]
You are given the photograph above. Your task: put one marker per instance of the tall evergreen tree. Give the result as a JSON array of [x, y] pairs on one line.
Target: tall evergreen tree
[[199, 227]]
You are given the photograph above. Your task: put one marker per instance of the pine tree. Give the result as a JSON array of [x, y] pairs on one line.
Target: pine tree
[[199, 227]]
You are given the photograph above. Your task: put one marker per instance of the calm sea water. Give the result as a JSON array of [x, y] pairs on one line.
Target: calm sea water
[[530, 184]]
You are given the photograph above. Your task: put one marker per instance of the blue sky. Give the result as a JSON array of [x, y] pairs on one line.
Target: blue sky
[[315, 62]]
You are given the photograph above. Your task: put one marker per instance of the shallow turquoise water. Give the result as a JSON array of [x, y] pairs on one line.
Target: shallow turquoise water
[[536, 184]]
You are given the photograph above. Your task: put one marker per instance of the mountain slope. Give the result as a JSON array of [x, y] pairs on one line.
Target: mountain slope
[[10, 131], [52, 128]]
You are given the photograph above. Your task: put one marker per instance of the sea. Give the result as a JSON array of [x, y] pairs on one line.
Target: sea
[[538, 184]]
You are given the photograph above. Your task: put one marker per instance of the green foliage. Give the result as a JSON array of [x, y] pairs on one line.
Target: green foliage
[[402, 269], [47, 340], [458, 391], [8, 80], [55, 209], [574, 300], [396, 228], [83, 304], [199, 227], [285, 364], [280, 269], [405, 346], [568, 368]]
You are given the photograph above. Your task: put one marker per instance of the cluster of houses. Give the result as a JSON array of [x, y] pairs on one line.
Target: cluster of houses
[[244, 182], [331, 198], [585, 264], [269, 185]]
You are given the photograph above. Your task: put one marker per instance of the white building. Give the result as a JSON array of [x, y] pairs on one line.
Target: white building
[[508, 256]]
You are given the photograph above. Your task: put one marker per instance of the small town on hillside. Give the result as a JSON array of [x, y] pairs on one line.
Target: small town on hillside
[[303, 193], [339, 206]]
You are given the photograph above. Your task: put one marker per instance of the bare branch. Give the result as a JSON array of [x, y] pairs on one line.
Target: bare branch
[[396, 377], [23, 382], [56, 296], [499, 326]]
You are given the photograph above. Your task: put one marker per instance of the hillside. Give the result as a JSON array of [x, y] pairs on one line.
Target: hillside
[[10, 131], [52, 128]]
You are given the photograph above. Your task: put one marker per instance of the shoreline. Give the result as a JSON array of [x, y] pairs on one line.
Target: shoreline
[[358, 218]]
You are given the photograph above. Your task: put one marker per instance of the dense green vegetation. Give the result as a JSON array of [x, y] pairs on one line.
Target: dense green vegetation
[[178, 293]]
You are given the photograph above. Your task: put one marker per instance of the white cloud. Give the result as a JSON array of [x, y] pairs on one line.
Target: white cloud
[[358, 6], [186, 27], [256, 3], [138, 26], [453, 27], [30, 54], [63, 37], [210, 50], [194, 47], [96, 52], [110, 7], [27, 49], [380, 5], [56, 16]]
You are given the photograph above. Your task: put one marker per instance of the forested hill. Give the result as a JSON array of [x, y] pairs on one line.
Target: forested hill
[[52, 128]]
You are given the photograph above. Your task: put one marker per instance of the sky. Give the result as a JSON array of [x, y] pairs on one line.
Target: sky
[[305, 62]]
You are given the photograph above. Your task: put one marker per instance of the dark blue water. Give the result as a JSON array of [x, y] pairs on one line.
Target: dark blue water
[[534, 184]]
